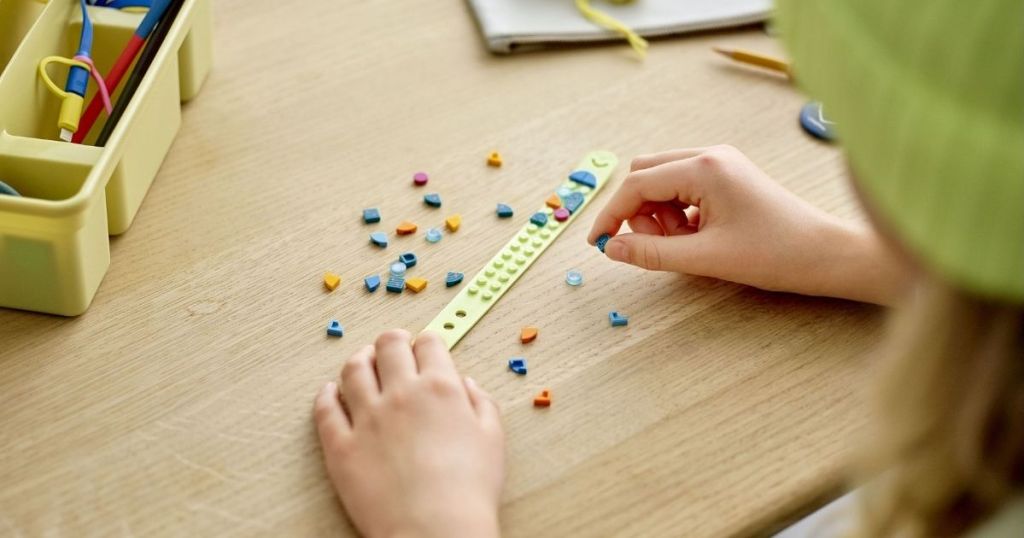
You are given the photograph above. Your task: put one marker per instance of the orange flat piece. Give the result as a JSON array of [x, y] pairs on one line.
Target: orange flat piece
[[453, 222], [527, 334], [553, 201], [332, 281], [416, 284], [405, 228], [543, 399], [494, 159]]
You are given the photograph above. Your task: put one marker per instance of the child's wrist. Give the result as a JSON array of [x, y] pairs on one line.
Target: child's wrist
[[865, 269]]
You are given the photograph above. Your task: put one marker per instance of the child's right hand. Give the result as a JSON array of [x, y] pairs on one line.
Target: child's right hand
[[712, 212]]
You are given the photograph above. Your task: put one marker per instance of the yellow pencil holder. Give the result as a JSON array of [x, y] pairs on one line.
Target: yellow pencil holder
[[55, 237]]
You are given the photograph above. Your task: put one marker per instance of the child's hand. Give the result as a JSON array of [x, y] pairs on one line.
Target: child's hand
[[417, 453], [712, 212]]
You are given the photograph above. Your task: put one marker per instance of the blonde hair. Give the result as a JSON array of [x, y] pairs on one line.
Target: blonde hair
[[947, 442]]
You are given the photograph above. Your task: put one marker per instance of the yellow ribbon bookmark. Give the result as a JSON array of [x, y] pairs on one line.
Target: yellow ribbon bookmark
[[604, 20]]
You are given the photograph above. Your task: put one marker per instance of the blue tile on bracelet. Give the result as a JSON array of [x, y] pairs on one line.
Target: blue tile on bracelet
[[539, 218], [584, 178], [573, 201]]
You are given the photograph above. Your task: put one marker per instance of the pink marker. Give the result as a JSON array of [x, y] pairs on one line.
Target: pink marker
[[420, 178], [562, 214]]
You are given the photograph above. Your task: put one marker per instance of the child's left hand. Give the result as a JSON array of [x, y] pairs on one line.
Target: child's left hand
[[415, 450]]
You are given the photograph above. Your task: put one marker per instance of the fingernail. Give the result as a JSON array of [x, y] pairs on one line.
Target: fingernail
[[470, 382], [616, 250], [330, 386]]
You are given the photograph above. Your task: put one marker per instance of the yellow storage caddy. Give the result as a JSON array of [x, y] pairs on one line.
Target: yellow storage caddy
[[54, 238]]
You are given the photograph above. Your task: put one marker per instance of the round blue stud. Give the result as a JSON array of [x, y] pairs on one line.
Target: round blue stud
[[433, 235], [813, 120], [574, 277], [398, 269]]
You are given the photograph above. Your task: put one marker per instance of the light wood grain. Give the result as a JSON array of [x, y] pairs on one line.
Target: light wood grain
[[180, 403]]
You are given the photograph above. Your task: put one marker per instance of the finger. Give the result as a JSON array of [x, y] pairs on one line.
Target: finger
[[681, 253], [432, 354], [693, 217], [642, 162], [483, 404], [672, 219], [331, 422], [670, 182], [395, 362], [359, 382], [644, 224]]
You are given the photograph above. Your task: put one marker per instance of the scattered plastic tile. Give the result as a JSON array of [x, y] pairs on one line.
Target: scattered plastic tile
[[517, 365], [408, 258], [416, 284], [397, 269], [573, 201], [395, 284], [433, 235], [617, 319], [453, 222], [504, 211], [371, 215], [528, 334], [379, 238], [539, 218], [372, 283], [574, 277], [335, 329], [433, 199], [405, 228], [543, 399], [584, 178], [331, 281], [602, 241], [494, 159], [553, 201], [562, 214], [453, 279], [420, 179]]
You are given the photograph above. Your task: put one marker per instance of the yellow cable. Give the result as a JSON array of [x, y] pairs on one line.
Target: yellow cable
[[604, 20]]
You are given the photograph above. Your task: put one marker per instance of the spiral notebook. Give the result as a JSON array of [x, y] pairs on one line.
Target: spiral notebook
[[511, 25]]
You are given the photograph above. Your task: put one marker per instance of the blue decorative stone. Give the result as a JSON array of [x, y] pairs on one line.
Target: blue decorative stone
[[504, 211], [372, 283], [539, 218], [335, 329], [617, 319], [395, 284], [379, 238], [573, 201], [433, 235], [562, 192], [397, 269], [517, 365], [371, 215], [433, 199], [574, 278], [453, 279], [813, 120], [584, 178], [408, 258], [602, 241]]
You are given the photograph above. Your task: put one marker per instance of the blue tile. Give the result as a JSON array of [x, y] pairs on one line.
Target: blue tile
[[371, 215], [408, 258], [433, 235], [602, 241], [372, 283], [433, 199], [539, 218], [396, 284], [584, 177], [504, 211], [573, 201], [453, 279], [335, 329], [617, 319], [379, 238], [517, 365]]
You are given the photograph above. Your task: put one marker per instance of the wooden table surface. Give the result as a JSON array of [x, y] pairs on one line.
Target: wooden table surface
[[179, 404]]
